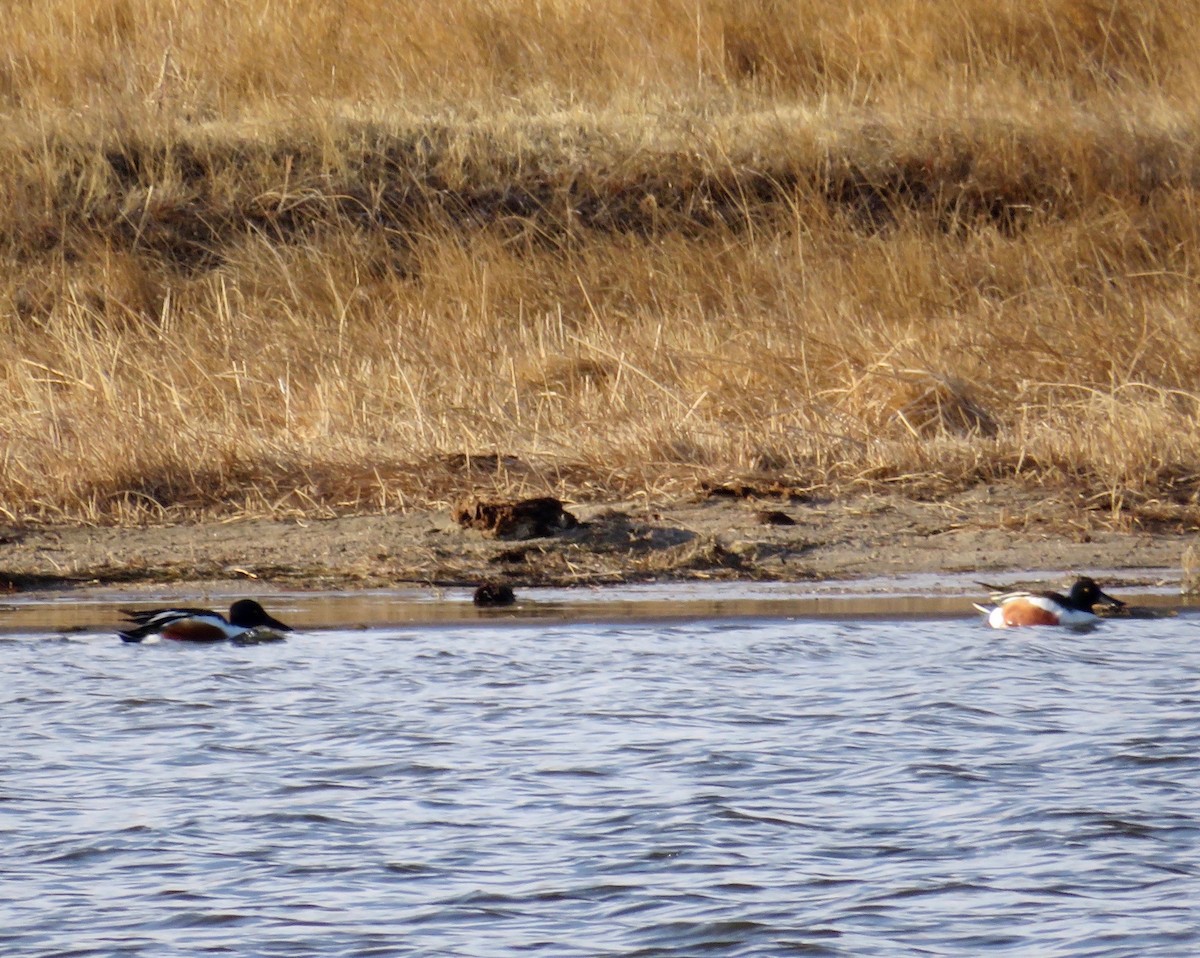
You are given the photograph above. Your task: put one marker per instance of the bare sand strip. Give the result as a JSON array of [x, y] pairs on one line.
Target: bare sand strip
[[980, 534]]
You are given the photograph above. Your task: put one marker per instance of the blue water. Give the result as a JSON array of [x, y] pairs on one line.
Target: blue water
[[760, 787]]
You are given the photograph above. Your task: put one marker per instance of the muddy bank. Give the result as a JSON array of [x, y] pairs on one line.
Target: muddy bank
[[719, 538]]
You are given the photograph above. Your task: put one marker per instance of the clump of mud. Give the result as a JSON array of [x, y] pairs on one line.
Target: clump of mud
[[521, 519]]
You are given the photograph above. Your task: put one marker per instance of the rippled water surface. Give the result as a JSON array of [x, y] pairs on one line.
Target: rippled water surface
[[741, 787]]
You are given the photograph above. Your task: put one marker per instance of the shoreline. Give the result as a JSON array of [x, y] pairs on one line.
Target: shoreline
[[96, 611], [982, 532]]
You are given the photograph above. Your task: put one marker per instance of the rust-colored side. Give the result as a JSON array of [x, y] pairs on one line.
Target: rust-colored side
[[1024, 612], [190, 630]]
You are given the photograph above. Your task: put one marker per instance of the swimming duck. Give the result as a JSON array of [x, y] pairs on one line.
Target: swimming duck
[[1049, 608], [199, 625]]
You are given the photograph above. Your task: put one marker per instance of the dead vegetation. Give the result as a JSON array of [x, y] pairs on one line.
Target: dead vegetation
[[322, 261], [520, 519]]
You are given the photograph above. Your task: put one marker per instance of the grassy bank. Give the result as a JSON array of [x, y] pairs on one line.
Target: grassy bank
[[358, 256]]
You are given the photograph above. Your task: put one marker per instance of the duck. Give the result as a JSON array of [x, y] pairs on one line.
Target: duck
[[492, 594], [200, 625], [1049, 608]]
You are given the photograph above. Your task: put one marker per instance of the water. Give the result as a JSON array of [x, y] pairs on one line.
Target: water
[[762, 787]]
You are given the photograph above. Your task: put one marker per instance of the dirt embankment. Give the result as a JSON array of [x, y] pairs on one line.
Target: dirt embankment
[[721, 537]]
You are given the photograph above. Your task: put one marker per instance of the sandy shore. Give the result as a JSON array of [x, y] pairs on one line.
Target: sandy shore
[[719, 538]]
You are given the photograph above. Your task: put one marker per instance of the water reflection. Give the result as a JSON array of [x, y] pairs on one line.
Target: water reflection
[[906, 597]]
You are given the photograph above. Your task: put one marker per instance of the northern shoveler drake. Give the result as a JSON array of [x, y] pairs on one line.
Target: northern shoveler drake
[[1049, 608], [199, 625]]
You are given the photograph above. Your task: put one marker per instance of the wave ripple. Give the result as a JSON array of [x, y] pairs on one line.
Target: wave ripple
[[751, 788]]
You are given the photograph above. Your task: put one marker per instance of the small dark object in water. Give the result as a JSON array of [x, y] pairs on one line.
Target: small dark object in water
[[494, 594]]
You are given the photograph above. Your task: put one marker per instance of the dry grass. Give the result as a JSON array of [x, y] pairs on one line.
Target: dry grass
[[300, 258]]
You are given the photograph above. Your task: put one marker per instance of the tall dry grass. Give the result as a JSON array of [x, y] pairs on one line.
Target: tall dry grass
[[305, 257]]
